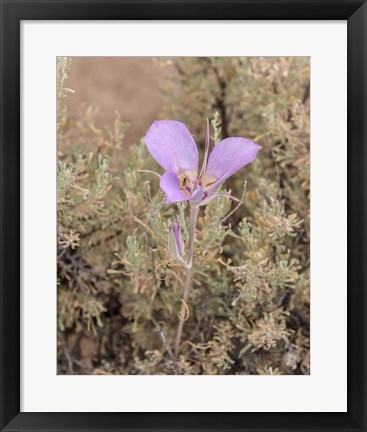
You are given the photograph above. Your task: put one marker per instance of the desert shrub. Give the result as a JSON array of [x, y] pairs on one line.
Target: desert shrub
[[249, 299]]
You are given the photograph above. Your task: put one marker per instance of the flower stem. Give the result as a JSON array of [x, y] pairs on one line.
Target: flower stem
[[193, 218]]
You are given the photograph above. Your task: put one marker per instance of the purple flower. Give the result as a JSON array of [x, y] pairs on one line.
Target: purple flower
[[173, 147]]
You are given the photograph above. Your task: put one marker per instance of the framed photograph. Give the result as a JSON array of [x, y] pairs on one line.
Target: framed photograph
[[182, 215]]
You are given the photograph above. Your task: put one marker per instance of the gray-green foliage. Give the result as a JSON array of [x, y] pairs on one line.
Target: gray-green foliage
[[249, 300]]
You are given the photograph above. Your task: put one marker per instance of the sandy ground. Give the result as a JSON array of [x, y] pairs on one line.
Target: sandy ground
[[129, 85]]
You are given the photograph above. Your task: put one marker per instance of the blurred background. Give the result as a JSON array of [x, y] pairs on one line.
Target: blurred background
[[130, 85], [250, 296]]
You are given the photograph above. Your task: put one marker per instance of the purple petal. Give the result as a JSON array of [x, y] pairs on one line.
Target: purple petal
[[172, 146], [171, 186], [227, 157]]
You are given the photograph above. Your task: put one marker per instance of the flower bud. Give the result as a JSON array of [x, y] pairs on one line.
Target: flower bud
[[175, 241]]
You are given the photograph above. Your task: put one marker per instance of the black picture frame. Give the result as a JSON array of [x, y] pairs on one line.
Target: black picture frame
[[12, 13]]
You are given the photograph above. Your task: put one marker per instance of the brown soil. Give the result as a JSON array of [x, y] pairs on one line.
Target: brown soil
[[129, 85]]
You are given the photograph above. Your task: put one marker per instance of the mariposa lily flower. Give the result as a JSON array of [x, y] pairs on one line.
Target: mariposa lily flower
[[171, 144]]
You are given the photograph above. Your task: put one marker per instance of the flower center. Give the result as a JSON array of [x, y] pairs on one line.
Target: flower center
[[187, 183]]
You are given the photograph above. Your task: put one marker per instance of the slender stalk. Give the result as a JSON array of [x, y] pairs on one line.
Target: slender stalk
[[193, 218], [159, 332]]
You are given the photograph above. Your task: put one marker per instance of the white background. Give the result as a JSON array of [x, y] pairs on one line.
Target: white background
[[325, 389]]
